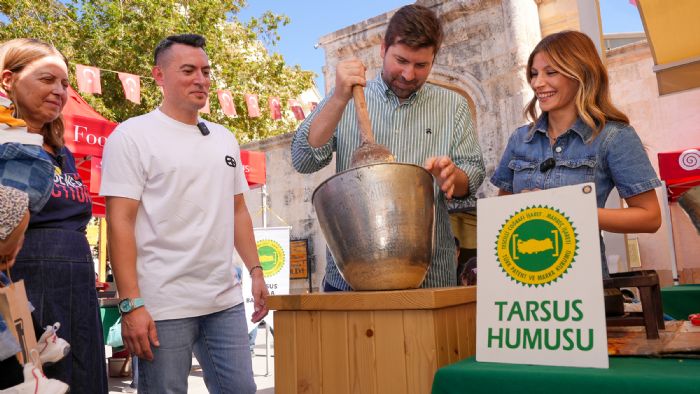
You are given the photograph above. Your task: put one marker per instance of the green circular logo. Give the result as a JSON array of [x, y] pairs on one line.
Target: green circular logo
[[271, 256], [536, 246]]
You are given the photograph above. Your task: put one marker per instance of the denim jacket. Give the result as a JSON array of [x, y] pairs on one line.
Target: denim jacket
[[615, 158], [24, 164]]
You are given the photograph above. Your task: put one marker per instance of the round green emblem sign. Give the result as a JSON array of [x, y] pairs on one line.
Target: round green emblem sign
[[536, 246], [271, 256]]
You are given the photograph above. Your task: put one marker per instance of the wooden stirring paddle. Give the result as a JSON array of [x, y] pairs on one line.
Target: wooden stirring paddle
[[369, 152]]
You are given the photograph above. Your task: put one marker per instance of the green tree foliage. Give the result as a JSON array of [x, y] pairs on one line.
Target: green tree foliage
[[120, 35]]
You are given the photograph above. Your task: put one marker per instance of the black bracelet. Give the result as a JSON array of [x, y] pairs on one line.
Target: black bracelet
[[253, 269]]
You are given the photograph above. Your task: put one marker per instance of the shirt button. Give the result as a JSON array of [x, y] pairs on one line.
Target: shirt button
[[557, 149]]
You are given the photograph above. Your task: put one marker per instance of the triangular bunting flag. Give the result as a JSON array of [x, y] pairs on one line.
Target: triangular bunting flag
[[251, 101], [226, 102], [296, 108], [132, 87], [88, 79], [275, 107]]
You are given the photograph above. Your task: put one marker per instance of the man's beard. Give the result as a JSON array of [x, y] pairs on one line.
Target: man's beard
[[402, 93]]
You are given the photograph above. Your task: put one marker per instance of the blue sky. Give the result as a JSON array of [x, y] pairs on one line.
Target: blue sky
[[312, 19]]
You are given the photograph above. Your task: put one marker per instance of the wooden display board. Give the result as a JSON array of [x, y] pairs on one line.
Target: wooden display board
[[299, 259]]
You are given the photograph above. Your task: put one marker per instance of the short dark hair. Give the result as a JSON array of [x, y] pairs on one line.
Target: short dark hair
[[193, 40], [416, 27]]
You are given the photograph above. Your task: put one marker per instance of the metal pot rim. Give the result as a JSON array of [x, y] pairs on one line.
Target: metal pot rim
[[313, 195]]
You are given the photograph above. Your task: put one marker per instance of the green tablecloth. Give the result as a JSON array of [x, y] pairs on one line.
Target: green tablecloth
[[626, 375], [681, 301]]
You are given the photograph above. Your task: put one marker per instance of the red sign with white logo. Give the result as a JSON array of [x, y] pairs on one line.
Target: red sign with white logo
[[254, 165], [680, 170]]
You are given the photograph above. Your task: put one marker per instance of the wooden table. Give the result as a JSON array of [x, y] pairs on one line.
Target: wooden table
[[370, 342]]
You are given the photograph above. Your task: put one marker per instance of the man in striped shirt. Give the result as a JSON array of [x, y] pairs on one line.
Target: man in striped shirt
[[420, 123]]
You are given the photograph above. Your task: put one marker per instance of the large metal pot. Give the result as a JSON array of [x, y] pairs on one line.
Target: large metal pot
[[378, 222]]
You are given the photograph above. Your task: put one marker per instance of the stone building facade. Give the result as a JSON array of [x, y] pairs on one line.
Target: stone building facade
[[483, 58]]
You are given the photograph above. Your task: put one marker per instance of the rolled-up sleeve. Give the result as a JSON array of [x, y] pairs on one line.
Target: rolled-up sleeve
[[467, 152], [305, 158], [629, 165]]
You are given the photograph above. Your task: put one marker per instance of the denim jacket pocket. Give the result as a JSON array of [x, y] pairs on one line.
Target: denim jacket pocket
[[577, 171], [523, 174]]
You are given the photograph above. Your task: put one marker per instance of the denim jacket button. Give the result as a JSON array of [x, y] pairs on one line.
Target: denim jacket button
[[557, 149]]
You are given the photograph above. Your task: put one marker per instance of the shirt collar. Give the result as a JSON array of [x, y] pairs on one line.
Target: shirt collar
[[388, 93], [579, 127]]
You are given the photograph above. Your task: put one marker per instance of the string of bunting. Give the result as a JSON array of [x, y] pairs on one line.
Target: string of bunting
[[89, 82]]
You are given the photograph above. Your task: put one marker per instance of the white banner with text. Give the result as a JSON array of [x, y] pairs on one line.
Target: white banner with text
[[273, 252], [540, 292]]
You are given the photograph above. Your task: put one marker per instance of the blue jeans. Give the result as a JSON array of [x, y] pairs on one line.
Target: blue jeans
[[56, 266], [220, 343], [29, 169]]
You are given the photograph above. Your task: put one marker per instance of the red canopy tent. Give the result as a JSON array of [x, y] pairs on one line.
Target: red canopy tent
[[86, 132]]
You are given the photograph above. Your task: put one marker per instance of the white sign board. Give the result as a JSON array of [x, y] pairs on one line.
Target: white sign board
[[540, 292], [273, 252]]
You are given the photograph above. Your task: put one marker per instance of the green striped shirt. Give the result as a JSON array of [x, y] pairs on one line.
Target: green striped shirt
[[432, 122]]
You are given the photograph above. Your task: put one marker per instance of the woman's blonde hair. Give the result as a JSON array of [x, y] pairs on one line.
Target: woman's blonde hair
[[17, 54], [574, 55]]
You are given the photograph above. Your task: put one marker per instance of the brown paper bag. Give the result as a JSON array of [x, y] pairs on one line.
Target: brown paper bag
[[14, 308]]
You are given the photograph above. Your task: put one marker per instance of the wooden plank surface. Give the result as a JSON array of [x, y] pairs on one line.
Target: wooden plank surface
[[391, 352], [308, 352], [285, 353], [421, 357], [363, 372], [375, 300], [441, 337], [675, 339], [334, 355], [452, 334], [463, 336]]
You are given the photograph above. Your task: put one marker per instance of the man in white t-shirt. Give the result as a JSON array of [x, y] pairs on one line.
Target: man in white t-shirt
[[175, 211]]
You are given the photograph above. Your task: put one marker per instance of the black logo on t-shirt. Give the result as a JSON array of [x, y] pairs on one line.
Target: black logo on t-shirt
[[230, 161]]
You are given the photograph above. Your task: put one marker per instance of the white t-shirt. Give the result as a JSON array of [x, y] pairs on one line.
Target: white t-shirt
[[185, 183]]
